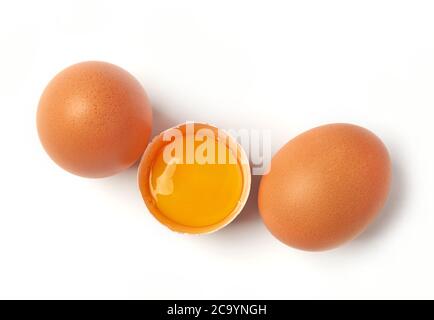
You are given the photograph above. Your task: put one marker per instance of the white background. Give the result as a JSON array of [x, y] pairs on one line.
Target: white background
[[285, 66]]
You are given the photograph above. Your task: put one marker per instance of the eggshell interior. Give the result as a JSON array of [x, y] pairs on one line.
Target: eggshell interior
[[145, 167]]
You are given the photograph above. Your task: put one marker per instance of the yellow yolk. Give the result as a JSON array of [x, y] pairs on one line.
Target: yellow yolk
[[196, 193]]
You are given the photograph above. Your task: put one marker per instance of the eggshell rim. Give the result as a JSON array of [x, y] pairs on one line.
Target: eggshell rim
[[145, 167]]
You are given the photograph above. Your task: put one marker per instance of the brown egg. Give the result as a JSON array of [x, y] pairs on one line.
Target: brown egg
[[325, 186], [94, 119]]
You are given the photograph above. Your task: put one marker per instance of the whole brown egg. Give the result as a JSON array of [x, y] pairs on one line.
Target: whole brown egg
[[325, 186], [94, 119]]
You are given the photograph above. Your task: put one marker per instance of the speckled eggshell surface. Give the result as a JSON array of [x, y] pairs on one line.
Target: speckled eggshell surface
[[325, 186], [94, 119]]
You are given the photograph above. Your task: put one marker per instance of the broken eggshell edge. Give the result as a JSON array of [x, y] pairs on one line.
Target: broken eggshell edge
[[145, 167]]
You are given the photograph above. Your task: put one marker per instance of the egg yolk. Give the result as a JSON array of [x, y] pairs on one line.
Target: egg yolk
[[195, 187]]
